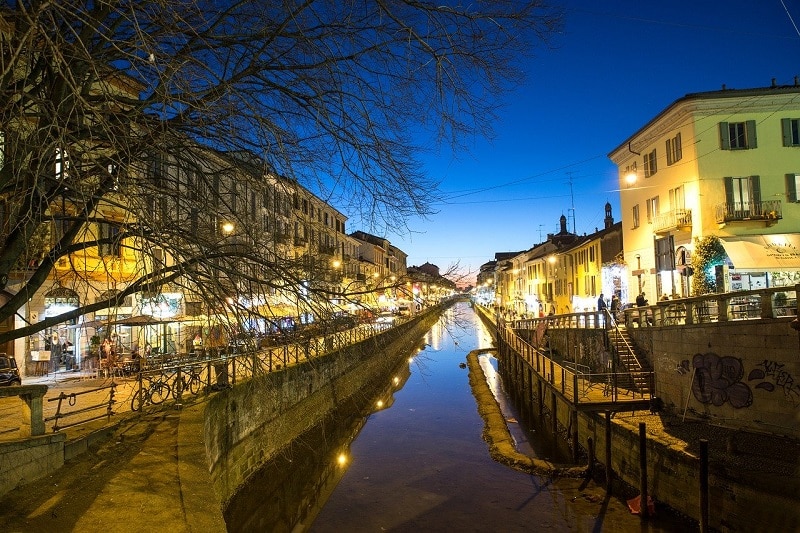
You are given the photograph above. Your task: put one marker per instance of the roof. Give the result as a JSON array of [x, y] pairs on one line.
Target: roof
[[711, 95]]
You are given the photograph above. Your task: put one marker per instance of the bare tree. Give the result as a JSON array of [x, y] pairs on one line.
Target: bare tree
[[132, 130]]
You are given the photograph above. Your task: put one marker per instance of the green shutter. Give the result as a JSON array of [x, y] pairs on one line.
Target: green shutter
[[724, 136], [729, 192], [669, 152], [791, 187], [750, 128], [786, 129], [755, 191]]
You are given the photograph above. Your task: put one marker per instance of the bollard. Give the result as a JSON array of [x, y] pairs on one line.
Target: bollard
[[703, 486], [644, 512], [609, 471]]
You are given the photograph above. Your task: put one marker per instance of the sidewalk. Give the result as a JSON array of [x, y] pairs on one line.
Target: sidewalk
[[89, 391], [149, 472]]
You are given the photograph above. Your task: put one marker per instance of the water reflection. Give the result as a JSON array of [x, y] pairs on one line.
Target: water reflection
[[413, 459]]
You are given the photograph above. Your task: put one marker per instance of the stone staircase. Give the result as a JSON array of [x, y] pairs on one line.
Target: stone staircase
[[635, 369]]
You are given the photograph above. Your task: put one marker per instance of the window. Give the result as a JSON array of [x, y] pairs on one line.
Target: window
[[677, 200], [792, 186], [62, 164], [636, 216], [791, 131], [109, 232], [737, 135], [743, 196], [674, 150], [650, 166], [652, 209]]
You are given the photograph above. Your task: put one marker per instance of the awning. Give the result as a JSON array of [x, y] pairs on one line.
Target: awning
[[139, 320], [764, 252]]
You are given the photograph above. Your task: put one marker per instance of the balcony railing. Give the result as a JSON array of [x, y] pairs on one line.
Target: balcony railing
[[769, 210], [674, 219], [327, 250]]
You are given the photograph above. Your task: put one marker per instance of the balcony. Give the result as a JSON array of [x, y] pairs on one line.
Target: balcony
[[768, 211], [283, 238], [327, 250], [676, 219]]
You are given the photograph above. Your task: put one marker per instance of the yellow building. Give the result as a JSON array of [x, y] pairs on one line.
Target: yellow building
[[723, 163]]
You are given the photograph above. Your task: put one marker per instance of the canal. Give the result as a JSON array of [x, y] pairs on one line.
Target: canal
[[414, 460]]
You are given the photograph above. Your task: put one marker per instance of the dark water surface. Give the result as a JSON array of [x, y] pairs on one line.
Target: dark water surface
[[419, 463]]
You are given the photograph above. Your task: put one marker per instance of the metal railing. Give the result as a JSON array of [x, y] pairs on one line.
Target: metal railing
[[575, 385], [774, 302], [67, 407], [179, 378]]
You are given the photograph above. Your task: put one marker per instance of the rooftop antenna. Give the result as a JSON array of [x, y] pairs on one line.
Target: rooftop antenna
[[572, 201], [540, 232]]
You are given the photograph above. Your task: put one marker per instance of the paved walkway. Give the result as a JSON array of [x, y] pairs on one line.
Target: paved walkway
[[151, 475]]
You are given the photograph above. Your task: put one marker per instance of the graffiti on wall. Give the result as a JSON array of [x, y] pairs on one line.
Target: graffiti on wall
[[772, 376], [718, 380]]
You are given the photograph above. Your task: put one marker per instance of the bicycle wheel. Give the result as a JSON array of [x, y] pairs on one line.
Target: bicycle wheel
[[159, 392], [195, 384], [178, 387], [135, 400]]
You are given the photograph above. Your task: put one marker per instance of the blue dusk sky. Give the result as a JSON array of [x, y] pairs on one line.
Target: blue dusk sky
[[615, 66]]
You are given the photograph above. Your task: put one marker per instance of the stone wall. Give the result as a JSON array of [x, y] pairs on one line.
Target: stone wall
[[246, 426], [672, 477], [742, 374], [26, 460]]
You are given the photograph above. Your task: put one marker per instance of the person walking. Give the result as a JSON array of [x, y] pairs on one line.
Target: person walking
[[601, 303]]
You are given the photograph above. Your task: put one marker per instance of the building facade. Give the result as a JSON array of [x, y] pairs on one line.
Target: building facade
[[722, 163]]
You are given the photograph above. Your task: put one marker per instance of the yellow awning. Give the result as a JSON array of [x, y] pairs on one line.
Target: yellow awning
[[764, 252]]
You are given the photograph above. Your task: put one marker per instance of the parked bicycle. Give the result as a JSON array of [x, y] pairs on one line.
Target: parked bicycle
[[154, 393], [189, 379]]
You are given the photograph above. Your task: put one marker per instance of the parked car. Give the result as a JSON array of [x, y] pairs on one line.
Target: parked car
[[385, 317], [9, 373], [341, 320]]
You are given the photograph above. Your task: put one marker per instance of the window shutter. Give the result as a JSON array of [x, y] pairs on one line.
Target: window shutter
[[724, 136], [669, 152], [750, 126], [786, 128], [729, 191], [678, 147], [791, 187], [755, 189]]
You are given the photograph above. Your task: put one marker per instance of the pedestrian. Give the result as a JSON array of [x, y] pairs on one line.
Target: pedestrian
[[601, 303], [641, 301], [614, 303]]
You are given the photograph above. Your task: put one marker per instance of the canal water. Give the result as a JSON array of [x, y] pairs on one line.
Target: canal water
[[416, 461]]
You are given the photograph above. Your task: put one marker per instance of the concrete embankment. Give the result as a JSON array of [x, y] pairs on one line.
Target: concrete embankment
[[176, 469], [754, 476], [496, 434]]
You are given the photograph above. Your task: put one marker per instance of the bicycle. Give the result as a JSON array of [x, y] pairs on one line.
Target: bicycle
[[189, 380], [155, 393]]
